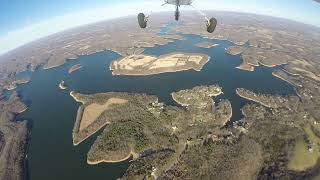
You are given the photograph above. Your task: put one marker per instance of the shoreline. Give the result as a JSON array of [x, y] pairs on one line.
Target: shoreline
[[75, 98], [62, 86], [251, 99], [89, 135], [246, 69], [293, 74], [150, 74], [277, 76], [271, 66], [76, 133], [76, 126], [186, 105], [25, 109], [206, 46], [253, 65], [110, 161], [229, 118], [173, 97], [53, 66], [74, 68]]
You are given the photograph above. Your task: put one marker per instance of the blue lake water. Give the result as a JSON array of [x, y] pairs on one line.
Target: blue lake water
[[52, 111]]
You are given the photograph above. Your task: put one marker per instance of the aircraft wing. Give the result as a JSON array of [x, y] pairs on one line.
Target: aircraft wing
[[180, 2]]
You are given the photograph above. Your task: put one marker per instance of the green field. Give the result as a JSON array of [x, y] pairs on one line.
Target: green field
[[301, 158]]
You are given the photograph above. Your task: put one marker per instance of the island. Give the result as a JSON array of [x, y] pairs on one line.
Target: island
[[74, 68], [62, 85], [140, 65], [206, 45]]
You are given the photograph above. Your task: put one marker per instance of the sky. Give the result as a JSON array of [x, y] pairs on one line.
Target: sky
[[23, 21]]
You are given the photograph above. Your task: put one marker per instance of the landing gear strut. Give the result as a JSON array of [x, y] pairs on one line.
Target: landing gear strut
[[177, 14], [210, 23]]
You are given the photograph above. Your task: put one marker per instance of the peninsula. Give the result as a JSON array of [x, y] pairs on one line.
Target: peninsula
[[252, 57], [128, 131], [206, 45], [235, 50], [12, 85], [140, 65], [197, 95], [98, 110], [270, 101], [74, 68]]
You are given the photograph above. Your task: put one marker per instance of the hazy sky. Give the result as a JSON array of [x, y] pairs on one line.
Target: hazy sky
[[22, 21]]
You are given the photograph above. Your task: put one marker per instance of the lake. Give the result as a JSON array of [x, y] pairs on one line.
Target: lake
[[51, 154]]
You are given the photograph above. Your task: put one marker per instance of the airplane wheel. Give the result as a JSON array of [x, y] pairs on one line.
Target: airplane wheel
[[211, 26], [142, 20]]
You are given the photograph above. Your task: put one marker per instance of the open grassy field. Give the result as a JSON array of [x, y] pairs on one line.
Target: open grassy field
[[94, 110], [302, 158]]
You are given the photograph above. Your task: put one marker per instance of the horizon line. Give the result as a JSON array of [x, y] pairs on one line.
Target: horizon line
[[130, 15]]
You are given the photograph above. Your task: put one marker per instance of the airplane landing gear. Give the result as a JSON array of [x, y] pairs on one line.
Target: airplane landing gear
[[142, 19], [211, 25], [177, 14]]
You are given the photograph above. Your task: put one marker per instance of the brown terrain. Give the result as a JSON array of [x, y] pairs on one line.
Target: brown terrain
[[13, 139], [56, 49], [288, 126], [14, 84], [292, 44]]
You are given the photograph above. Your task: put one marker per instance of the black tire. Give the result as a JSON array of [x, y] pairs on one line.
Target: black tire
[[212, 25], [142, 20]]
